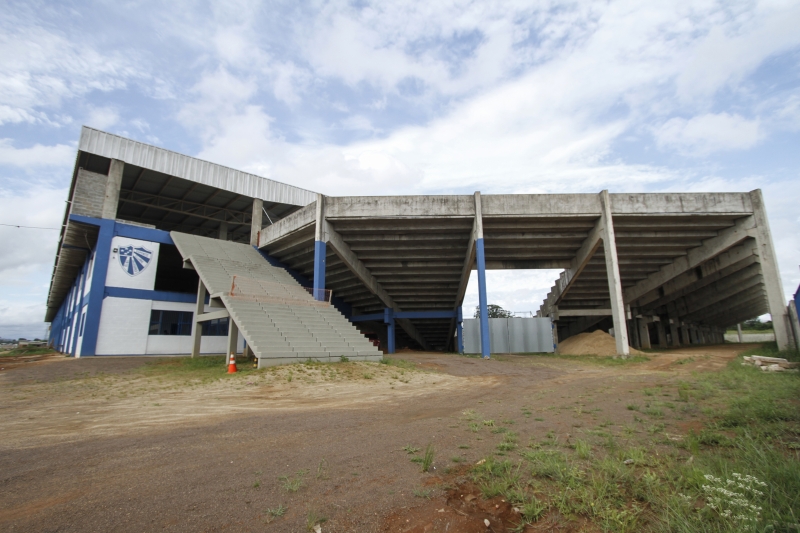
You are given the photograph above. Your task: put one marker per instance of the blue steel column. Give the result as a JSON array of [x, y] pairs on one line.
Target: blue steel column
[[320, 251], [460, 331], [97, 288], [388, 318], [484, 311]]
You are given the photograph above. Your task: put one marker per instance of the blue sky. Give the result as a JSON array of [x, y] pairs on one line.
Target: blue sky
[[403, 98]]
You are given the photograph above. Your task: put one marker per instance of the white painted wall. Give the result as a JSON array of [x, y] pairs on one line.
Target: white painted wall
[[123, 327]]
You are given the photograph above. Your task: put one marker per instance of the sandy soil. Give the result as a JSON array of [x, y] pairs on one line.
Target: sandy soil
[[96, 444]]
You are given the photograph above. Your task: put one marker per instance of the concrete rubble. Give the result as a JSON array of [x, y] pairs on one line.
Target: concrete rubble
[[771, 364]]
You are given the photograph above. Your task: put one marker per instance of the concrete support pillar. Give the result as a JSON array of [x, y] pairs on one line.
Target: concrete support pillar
[[632, 334], [644, 333], [256, 221], [233, 338], [113, 185], [389, 320], [739, 333], [554, 326], [662, 334], [460, 331], [197, 327], [223, 231], [673, 333], [769, 270], [685, 337], [320, 250], [480, 263], [612, 271], [793, 316]]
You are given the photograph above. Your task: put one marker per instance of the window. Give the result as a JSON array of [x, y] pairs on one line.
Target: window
[[83, 321], [170, 322], [215, 328]]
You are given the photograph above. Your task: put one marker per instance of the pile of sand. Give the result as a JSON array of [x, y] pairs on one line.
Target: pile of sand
[[594, 343]]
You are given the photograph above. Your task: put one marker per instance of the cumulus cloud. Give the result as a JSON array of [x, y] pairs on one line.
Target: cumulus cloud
[[35, 156], [704, 134]]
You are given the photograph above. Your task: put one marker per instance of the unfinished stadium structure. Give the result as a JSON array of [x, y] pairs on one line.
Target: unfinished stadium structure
[[162, 253]]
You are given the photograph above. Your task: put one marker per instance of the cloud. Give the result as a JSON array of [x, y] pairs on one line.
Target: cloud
[[704, 134], [36, 155], [102, 117]]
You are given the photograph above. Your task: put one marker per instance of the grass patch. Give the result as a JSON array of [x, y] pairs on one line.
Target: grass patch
[[292, 483], [422, 493], [654, 481], [16, 352], [600, 360], [427, 459]]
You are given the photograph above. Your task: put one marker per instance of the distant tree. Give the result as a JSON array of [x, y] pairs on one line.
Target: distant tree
[[494, 311], [756, 324]]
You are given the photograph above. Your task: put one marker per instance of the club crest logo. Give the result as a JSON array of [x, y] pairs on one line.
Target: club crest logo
[[134, 260]]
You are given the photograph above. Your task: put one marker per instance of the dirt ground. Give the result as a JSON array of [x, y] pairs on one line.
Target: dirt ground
[[98, 444]]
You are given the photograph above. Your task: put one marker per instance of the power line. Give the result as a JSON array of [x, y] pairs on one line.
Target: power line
[[29, 227]]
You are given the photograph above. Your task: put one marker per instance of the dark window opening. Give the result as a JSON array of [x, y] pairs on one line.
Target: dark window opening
[[95, 163], [698, 272], [170, 322], [170, 274], [215, 328]]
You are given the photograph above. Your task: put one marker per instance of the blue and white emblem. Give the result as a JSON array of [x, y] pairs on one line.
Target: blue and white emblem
[[134, 260]]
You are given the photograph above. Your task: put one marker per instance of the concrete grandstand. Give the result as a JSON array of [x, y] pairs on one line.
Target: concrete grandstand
[[153, 242]]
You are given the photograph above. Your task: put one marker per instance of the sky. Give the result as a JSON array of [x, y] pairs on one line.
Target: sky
[[403, 98]]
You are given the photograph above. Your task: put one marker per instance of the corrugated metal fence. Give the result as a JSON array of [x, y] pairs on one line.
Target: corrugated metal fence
[[510, 335]]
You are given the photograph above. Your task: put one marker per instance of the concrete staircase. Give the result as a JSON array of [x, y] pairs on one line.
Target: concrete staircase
[[279, 319]]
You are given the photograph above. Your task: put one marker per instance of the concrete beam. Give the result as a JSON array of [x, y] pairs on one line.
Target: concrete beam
[[349, 258], [288, 226], [559, 313], [711, 271], [727, 239], [213, 315]]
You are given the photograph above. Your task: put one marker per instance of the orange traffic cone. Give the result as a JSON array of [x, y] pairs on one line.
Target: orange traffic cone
[[232, 364]]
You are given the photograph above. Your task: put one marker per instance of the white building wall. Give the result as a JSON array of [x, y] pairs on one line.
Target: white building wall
[[123, 327]]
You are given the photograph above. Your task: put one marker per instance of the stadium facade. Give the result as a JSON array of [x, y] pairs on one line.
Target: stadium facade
[[161, 253]]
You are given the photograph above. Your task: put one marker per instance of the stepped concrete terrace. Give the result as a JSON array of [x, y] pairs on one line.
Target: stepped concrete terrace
[[279, 319]]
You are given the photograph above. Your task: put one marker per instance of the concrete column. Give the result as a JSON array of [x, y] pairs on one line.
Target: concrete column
[[685, 337], [389, 320], [662, 334], [612, 271], [113, 184], [673, 332], [223, 231], [769, 269], [644, 333], [480, 261], [632, 334], [256, 221], [460, 331], [233, 338], [197, 327], [739, 333], [320, 250], [554, 326], [793, 316]]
